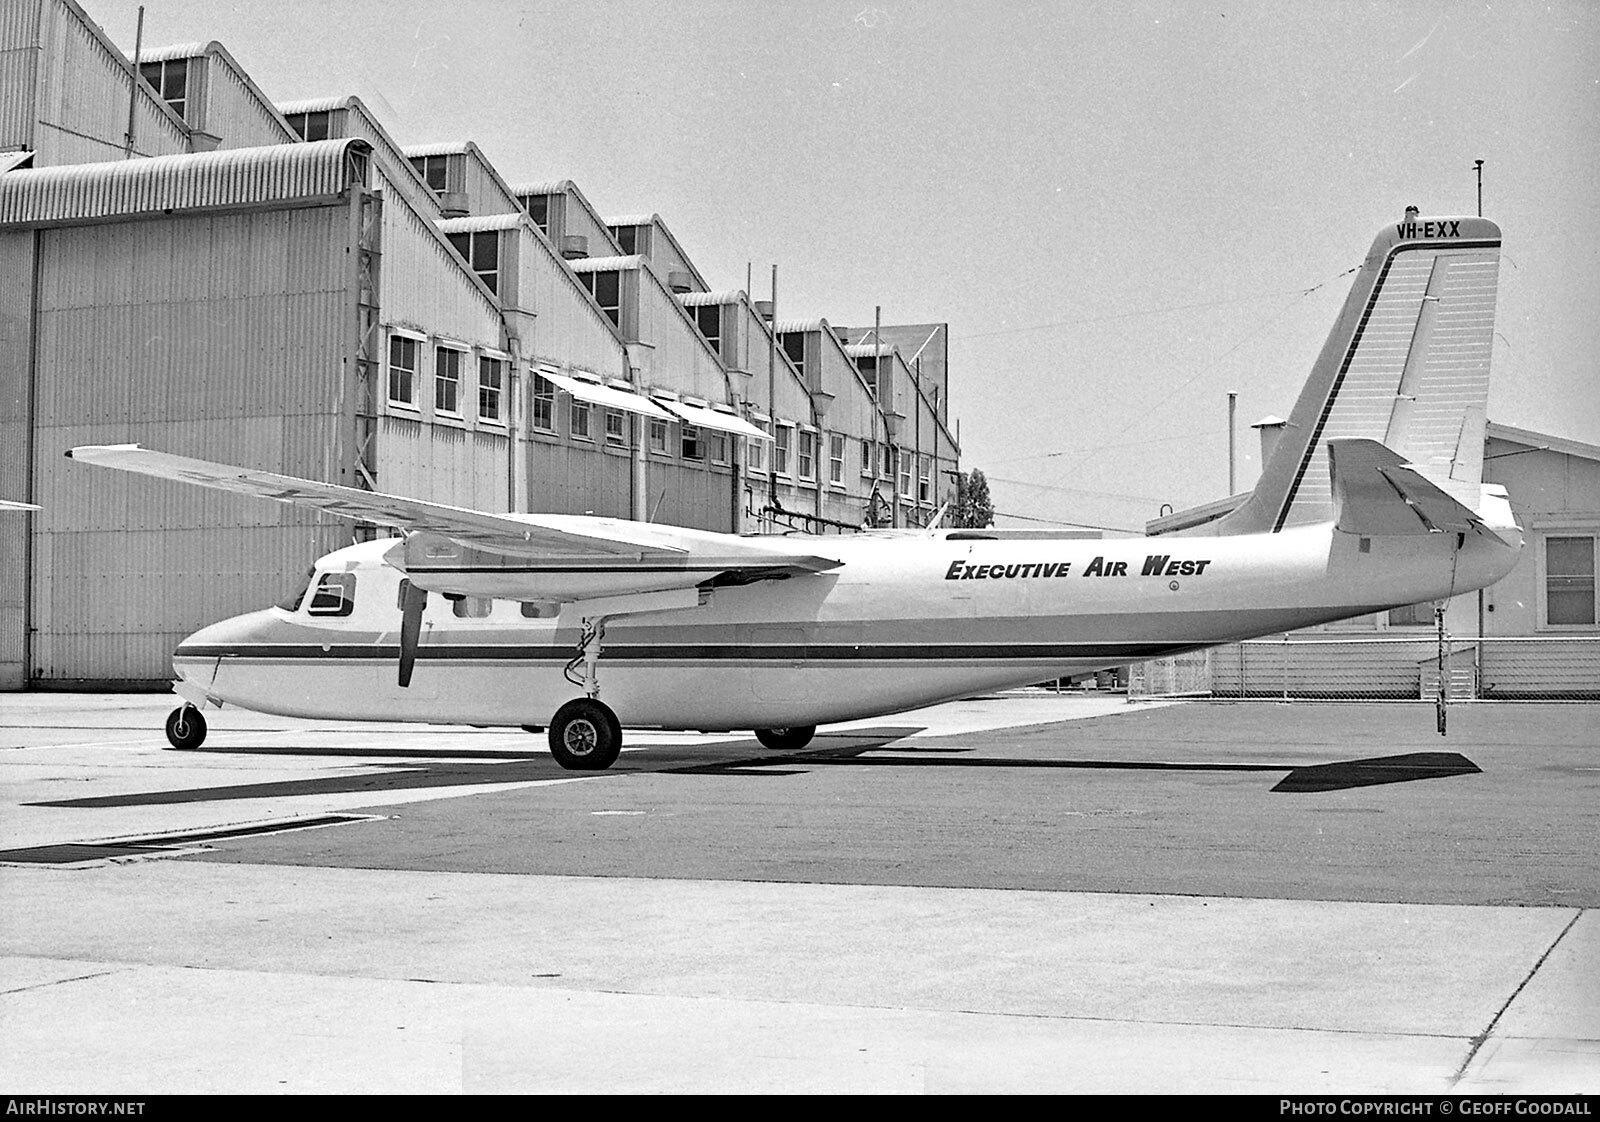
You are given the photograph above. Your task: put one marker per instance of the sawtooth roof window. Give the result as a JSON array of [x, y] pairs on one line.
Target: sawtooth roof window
[[481, 250], [606, 288], [432, 169], [794, 345], [170, 78], [708, 318], [868, 365], [539, 211], [627, 237], [310, 126]]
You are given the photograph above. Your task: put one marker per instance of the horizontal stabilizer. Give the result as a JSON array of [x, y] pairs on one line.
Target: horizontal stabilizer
[[1376, 492]]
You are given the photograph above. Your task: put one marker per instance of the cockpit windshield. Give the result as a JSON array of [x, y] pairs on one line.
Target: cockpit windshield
[[292, 602]]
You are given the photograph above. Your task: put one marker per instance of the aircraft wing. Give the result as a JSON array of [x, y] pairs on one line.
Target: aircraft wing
[[560, 557], [11, 504], [1376, 492]]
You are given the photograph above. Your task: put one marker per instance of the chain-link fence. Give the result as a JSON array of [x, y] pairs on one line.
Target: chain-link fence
[[1378, 667]]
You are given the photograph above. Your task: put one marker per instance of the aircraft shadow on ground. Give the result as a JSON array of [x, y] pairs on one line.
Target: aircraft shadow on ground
[[443, 769]]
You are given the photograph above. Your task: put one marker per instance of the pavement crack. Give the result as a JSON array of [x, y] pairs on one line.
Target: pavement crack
[[61, 981], [1477, 1042]]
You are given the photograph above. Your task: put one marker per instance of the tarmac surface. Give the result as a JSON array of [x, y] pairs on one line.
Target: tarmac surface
[[1028, 892]]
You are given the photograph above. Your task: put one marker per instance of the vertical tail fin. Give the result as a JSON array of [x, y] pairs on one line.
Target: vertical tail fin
[[1406, 364]]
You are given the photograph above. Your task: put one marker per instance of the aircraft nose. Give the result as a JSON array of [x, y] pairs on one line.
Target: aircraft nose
[[228, 636]]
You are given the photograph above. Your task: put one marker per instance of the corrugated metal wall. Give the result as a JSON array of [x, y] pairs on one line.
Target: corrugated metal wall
[[236, 113], [16, 415], [221, 337], [569, 330], [81, 91], [19, 64], [578, 479]]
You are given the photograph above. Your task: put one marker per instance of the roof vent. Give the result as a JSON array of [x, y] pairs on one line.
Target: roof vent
[[679, 280], [574, 247], [453, 204]]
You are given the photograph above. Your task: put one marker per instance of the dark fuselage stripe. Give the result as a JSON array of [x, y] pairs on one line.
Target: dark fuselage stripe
[[705, 652]]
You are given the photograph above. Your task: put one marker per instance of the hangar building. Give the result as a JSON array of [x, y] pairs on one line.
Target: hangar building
[[188, 265]]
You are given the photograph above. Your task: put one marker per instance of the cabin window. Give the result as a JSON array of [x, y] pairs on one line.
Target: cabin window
[[1412, 615], [540, 609], [470, 607], [1569, 581], [335, 595]]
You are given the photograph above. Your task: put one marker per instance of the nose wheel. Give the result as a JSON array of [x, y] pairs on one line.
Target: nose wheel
[[787, 739], [186, 728], [585, 735]]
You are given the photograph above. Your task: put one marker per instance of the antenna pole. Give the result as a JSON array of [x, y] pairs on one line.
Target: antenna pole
[[1232, 401], [133, 87], [1478, 167]]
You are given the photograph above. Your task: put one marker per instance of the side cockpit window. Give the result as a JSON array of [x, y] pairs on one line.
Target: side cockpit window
[[334, 594]]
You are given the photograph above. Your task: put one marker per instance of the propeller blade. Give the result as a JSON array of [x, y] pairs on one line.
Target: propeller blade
[[414, 600]]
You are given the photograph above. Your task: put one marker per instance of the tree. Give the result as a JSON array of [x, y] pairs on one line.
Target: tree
[[972, 507]]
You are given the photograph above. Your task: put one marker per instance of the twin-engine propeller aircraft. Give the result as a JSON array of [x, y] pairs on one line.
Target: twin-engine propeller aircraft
[[1371, 500]]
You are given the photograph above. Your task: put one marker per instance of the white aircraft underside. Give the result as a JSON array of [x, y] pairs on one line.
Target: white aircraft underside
[[1372, 499]]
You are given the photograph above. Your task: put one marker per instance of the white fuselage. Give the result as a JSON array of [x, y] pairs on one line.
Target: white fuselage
[[903, 622]]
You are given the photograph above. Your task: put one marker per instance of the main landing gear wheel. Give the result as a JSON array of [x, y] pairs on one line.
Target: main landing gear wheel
[[585, 735], [788, 740], [186, 728]]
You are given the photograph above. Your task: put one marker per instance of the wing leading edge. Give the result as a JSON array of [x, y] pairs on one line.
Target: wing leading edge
[[532, 556]]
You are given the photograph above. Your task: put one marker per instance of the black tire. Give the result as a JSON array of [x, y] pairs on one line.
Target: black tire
[[186, 728], [787, 740], [585, 736]]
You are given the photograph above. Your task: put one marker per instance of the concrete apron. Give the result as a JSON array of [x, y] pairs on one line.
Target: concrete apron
[[170, 976]]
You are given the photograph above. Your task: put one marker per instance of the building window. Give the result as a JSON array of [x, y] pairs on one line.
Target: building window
[[310, 126], [924, 479], [433, 170], [836, 457], [447, 381], [780, 450], [403, 370], [578, 420], [627, 237], [616, 427], [708, 318], [544, 404], [869, 458], [606, 288], [170, 79], [481, 251], [794, 345], [539, 211], [755, 449], [491, 388], [719, 447], [905, 475], [806, 457], [658, 437], [1569, 585], [868, 365], [690, 444]]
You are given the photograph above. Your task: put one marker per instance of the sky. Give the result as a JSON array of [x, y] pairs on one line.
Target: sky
[[1124, 211]]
